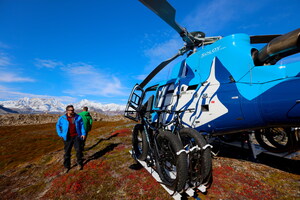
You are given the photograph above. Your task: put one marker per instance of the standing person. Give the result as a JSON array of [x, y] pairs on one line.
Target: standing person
[[70, 127], [87, 121]]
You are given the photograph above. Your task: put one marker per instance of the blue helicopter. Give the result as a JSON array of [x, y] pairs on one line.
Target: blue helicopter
[[226, 86]]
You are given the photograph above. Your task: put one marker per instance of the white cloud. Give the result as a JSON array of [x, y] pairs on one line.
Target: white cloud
[[165, 49], [88, 80], [6, 74], [64, 99], [79, 68], [210, 17], [3, 88], [4, 60], [159, 53], [141, 77], [216, 16], [11, 77], [113, 88], [12, 94], [47, 63]]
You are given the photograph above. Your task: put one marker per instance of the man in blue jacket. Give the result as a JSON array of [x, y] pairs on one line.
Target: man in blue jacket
[[70, 127]]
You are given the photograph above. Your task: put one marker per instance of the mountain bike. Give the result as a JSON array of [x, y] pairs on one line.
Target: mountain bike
[[162, 150], [197, 149]]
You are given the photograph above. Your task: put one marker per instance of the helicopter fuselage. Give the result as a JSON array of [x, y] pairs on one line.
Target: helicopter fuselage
[[227, 92]]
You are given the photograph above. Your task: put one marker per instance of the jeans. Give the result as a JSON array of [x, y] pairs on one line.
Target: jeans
[[77, 142]]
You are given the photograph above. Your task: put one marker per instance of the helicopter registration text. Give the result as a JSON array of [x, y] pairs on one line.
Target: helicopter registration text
[[214, 50]]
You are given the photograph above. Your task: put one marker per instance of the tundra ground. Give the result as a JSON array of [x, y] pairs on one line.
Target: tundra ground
[[31, 168]]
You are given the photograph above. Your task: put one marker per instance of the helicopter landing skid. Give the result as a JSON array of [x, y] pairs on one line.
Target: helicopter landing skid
[[177, 196], [257, 149]]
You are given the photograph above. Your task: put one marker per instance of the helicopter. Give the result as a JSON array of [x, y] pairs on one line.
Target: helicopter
[[225, 86]]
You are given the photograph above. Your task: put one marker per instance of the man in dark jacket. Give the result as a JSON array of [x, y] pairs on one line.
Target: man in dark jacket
[[70, 127], [87, 121]]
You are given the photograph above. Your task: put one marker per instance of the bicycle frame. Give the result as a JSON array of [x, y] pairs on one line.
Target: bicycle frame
[[153, 148]]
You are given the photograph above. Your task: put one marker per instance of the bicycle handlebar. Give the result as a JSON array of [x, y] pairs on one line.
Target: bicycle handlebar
[[176, 118]]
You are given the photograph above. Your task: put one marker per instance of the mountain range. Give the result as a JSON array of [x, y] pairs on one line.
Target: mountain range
[[52, 105]]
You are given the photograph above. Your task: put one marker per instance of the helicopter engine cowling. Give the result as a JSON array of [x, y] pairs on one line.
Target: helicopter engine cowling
[[278, 48]]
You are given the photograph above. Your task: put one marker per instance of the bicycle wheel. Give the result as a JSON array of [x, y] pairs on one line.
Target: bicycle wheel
[[277, 140], [139, 142], [199, 160], [172, 168], [281, 138]]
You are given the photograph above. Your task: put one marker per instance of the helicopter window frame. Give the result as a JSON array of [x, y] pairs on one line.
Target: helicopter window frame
[[184, 70], [149, 92], [164, 94]]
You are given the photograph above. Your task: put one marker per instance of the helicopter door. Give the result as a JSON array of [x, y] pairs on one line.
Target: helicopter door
[[165, 100], [234, 117]]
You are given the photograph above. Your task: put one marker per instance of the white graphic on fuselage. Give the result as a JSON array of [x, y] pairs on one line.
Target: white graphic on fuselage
[[207, 104]]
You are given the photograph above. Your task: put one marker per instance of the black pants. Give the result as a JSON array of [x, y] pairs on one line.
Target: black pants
[[83, 141], [77, 142]]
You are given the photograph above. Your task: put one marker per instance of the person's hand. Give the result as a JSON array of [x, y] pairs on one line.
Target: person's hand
[[82, 137]]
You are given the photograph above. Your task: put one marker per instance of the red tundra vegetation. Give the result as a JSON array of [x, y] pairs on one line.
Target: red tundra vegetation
[[31, 168]]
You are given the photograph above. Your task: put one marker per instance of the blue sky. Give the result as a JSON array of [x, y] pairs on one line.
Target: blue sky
[[98, 50]]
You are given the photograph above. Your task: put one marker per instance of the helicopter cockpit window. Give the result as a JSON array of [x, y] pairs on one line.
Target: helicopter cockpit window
[[164, 96]]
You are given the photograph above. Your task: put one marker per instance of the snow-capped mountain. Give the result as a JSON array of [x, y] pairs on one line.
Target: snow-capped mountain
[[34, 105], [94, 106], [51, 105]]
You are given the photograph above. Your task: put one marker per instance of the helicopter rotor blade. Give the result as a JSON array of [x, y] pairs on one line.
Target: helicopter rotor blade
[[256, 39], [165, 11], [158, 69]]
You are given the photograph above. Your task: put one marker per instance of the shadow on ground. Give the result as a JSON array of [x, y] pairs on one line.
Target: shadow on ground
[[101, 153], [284, 164], [102, 139]]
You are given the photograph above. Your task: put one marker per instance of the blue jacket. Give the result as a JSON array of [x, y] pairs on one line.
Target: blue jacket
[[62, 126]]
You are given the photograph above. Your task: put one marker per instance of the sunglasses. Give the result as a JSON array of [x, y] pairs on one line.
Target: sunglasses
[[70, 110]]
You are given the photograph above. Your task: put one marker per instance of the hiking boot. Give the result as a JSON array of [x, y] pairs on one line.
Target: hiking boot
[[67, 170]]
